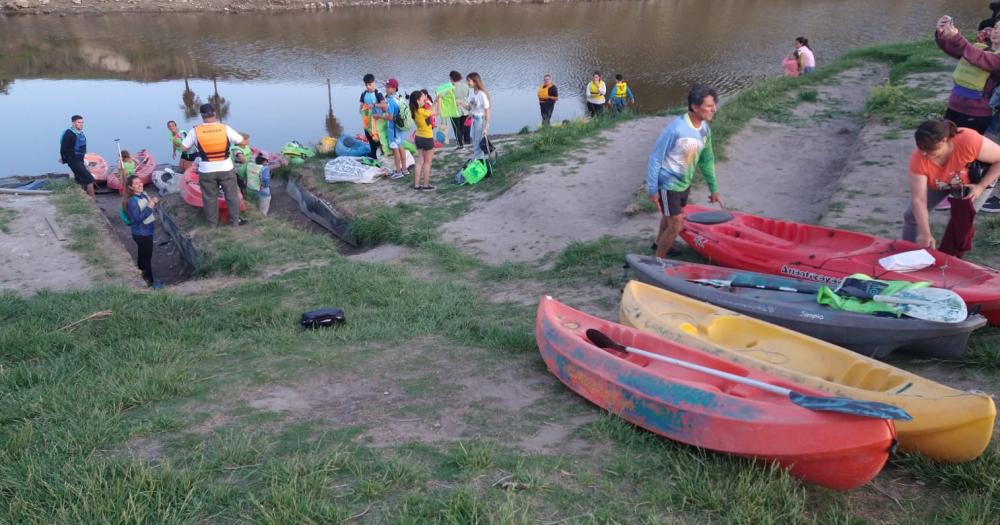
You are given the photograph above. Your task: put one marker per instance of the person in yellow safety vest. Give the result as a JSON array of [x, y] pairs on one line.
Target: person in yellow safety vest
[[242, 157], [548, 94], [596, 89], [621, 93], [215, 165]]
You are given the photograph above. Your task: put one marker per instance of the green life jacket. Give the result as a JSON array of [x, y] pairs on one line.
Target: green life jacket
[[247, 159], [828, 297], [253, 176], [129, 166], [970, 76]]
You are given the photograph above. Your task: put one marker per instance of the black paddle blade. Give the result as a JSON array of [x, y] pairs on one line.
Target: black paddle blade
[[602, 340], [854, 407]]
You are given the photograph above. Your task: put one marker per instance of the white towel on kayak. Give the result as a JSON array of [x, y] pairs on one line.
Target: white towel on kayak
[[350, 169], [907, 261]]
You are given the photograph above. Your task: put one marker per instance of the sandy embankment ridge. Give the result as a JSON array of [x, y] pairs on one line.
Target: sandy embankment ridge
[[138, 6]]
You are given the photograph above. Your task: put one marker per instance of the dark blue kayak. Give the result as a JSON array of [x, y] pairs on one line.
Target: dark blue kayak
[[871, 335]]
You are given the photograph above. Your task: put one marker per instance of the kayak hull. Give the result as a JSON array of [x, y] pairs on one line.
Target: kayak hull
[[145, 164], [948, 425], [191, 193], [97, 166], [815, 253], [866, 334], [833, 450], [349, 146]]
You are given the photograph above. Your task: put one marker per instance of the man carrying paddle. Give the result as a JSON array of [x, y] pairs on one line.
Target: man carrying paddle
[[684, 145], [216, 165]]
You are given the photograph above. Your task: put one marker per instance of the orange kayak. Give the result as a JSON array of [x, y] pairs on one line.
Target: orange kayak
[[191, 193], [833, 450], [145, 163], [97, 166]]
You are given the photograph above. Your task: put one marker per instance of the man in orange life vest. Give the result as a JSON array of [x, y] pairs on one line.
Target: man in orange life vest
[[215, 167]]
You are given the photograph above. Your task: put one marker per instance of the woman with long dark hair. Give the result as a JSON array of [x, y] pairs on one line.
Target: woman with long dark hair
[[807, 60]]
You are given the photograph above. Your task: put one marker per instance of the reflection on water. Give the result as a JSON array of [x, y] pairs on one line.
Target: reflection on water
[[272, 67]]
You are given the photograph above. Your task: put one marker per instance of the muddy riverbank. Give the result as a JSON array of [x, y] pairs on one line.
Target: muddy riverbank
[[64, 7]]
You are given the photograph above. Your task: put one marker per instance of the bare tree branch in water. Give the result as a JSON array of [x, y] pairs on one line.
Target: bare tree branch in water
[[5, 84], [220, 104], [333, 127], [191, 101]]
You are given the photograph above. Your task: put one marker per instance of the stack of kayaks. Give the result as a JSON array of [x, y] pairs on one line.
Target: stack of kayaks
[[948, 424], [834, 450], [145, 163], [815, 253], [191, 193], [349, 146], [874, 336]]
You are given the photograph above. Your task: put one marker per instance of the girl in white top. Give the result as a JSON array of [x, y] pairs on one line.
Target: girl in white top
[[478, 105], [806, 58], [596, 89]]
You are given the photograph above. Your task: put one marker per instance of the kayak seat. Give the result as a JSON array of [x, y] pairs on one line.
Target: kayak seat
[[867, 377], [759, 237]]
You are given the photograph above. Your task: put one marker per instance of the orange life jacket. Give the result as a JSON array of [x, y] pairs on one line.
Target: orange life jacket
[[213, 141], [543, 94]]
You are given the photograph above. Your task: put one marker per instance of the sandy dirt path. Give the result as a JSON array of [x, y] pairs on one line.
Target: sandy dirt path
[[579, 200], [31, 257]]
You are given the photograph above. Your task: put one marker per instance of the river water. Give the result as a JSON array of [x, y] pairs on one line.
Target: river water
[[129, 74]]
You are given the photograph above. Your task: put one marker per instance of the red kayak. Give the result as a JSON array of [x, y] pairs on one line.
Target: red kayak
[[191, 193], [274, 160], [833, 450], [97, 166], [815, 253], [145, 163]]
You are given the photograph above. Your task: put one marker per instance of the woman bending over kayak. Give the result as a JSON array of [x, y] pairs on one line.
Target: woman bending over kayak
[[939, 168]]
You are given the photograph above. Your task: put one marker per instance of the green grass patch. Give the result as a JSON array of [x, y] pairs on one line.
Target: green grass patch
[[7, 216], [893, 104], [808, 95]]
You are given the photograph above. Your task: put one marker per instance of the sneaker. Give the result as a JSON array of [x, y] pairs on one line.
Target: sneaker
[[992, 205], [943, 205], [241, 222], [428, 188], [397, 175]]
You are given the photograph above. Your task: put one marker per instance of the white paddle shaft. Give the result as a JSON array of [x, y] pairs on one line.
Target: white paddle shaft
[[711, 371]]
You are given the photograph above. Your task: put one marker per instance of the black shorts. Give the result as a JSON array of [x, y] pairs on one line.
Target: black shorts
[[80, 173], [424, 143], [190, 157], [672, 203]]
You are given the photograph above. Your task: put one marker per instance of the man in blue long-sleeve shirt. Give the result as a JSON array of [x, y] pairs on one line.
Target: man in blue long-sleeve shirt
[[684, 146]]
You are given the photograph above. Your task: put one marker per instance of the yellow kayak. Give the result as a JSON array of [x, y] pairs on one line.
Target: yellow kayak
[[948, 425]]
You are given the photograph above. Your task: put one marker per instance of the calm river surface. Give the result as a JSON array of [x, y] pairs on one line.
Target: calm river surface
[[129, 74]]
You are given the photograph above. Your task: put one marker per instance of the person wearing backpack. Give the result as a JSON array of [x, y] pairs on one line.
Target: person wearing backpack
[[138, 208], [478, 105], [395, 121]]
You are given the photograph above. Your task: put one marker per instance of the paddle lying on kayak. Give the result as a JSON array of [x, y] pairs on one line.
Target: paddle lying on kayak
[[929, 304], [844, 405]]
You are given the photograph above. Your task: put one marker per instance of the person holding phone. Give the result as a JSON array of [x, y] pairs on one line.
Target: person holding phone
[[139, 208], [939, 169]]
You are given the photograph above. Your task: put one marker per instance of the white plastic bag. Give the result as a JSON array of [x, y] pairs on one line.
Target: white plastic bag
[[907, 261], [349, 169]]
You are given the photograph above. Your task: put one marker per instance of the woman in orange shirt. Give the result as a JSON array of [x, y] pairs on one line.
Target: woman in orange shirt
[[939, 167]]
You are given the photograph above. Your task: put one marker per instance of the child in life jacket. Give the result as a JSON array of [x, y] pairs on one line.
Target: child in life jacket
[[790, 64], [259, 180], [126, 165], [621, 94]]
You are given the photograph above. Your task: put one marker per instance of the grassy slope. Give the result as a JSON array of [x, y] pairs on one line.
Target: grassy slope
[[155, 374]]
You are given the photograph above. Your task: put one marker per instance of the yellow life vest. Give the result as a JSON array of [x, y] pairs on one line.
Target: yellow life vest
[[970, 76], [213, 141], [595, 90], [621, 90], [543, 93]]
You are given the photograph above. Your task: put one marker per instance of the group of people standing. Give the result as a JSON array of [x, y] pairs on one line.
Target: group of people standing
[[387, 117], [954, 162]]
